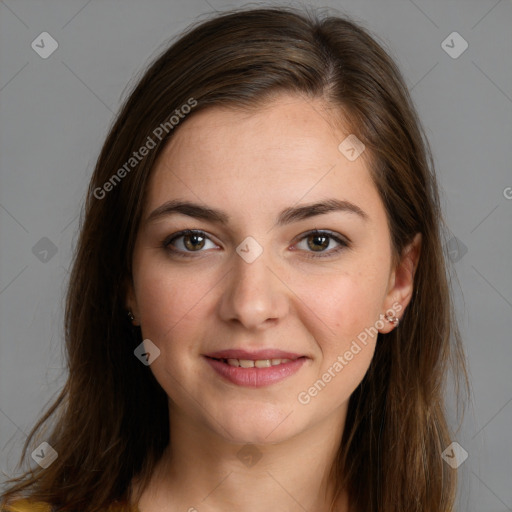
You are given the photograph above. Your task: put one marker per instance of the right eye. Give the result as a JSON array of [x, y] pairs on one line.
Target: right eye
[[190, 240]]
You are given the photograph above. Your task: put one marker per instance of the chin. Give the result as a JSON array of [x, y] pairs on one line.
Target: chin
[[257, 425]]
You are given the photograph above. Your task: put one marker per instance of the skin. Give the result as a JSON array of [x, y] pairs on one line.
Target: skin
[[252, 166]]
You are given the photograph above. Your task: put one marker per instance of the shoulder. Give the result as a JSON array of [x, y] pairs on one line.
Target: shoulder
[[27, 506]]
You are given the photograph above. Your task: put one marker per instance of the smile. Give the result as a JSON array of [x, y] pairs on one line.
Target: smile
[[259, 363], [255, 373]]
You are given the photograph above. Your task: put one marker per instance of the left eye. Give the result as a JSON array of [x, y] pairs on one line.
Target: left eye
[[194, 240], [318, 241]]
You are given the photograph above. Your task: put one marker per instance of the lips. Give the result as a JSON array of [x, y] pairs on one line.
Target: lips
[[255, 369], [254, 356]]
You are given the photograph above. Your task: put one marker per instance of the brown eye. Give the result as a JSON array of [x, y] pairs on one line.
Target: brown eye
[[187, 241], [193, 241], [319, 241]]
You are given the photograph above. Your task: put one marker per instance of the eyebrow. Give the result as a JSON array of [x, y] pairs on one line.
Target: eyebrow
[[287, 216]]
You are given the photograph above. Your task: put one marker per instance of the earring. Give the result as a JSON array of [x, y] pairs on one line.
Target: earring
[[392, 319], [130, 316]]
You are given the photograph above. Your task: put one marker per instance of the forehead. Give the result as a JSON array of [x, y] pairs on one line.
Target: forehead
[[286, 150]]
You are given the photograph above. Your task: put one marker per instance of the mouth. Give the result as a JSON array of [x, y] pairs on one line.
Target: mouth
[[257, 355], [255, 363], [250, 370]]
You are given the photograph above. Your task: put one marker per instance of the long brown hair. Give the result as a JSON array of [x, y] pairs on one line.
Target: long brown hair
[[111, 419]]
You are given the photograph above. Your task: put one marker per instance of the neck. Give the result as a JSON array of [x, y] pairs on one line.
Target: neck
[[202, 470]]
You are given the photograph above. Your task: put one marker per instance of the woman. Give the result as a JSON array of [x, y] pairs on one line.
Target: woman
[[297, 361]]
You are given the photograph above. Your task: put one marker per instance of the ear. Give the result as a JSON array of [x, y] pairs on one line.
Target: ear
[[130, 299], [401, 283]]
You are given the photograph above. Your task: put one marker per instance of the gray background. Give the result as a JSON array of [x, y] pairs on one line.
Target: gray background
[[55, 113]]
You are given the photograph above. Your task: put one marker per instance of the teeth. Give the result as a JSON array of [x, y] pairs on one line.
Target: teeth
[[259, 363], [263, 363]]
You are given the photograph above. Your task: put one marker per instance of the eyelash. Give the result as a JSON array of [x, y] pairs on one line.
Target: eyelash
[[188, 254]]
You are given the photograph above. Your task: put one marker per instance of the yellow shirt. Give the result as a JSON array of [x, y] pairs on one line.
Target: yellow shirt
[[39, 506], [27, 506]]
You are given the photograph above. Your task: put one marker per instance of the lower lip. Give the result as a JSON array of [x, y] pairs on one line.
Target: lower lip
[[256, 377]]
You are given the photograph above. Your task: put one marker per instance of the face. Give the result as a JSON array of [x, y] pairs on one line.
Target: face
[[263, 271]]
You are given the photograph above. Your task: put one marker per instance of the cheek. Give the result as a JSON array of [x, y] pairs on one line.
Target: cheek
[[172, 311], [346, 339], [169, 301], [349, 303]]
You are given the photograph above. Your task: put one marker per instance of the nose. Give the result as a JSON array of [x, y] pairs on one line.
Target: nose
[[255, 295]]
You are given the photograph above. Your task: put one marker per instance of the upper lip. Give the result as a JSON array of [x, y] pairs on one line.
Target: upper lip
[[269, 353]]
